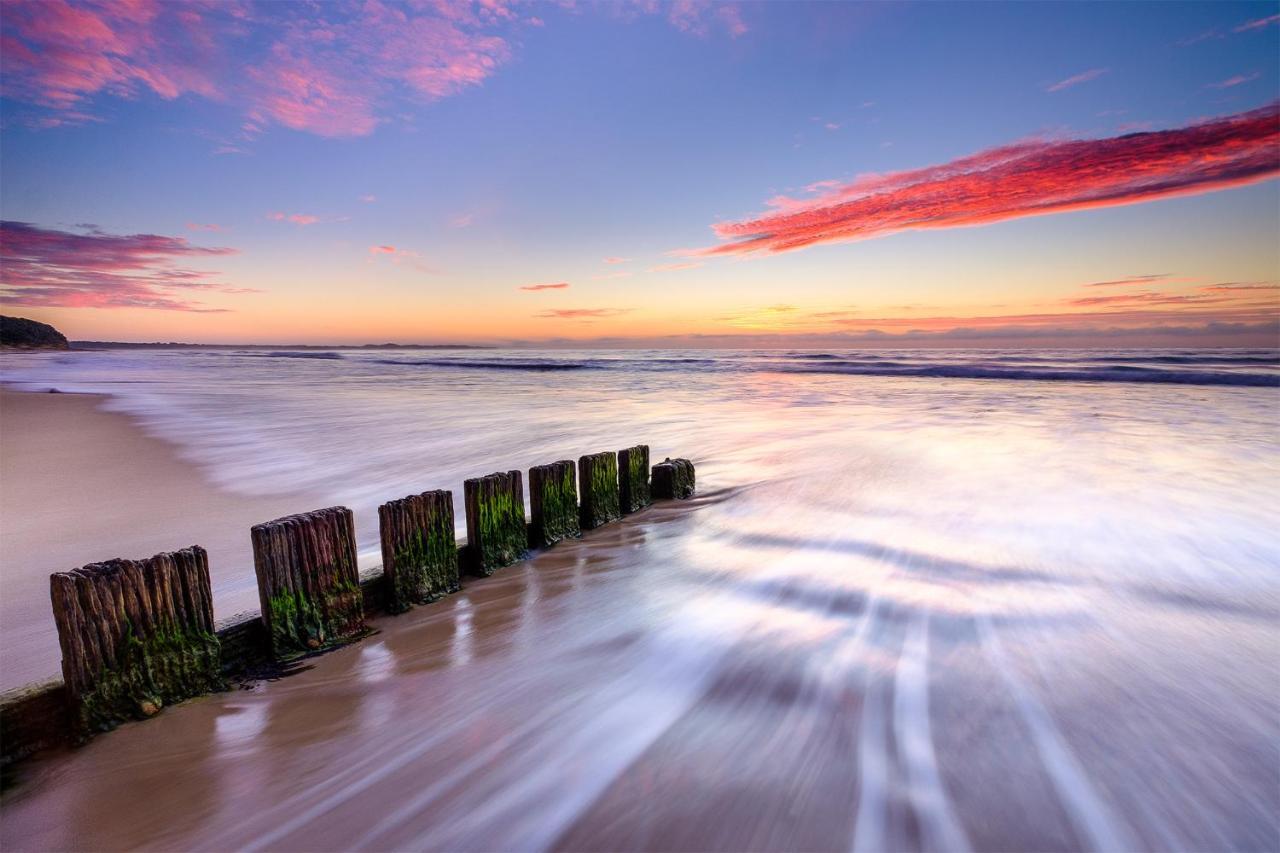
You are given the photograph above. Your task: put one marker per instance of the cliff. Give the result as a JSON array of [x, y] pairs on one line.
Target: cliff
[[21, 333]]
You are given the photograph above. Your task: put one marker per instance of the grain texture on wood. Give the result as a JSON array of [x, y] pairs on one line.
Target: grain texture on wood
[[598, 478], [308, 582], [136, 635], [419, 554], [496, 532], [673, 478], [553, 503], [633, 478]]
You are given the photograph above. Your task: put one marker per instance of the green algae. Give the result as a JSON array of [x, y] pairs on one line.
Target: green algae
[[553, 495], [426, 567], [633, 478], [299, 625], [149, 673], [496, 529], [598, 473], [308, 582], [673, 478]]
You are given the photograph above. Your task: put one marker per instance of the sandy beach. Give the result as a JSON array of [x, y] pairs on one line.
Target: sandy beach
[[78, 485]]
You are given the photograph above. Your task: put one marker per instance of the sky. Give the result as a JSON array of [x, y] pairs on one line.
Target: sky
[[643, 173]]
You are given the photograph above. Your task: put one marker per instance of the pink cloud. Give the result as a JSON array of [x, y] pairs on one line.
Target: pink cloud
[[1029, 178], [58, 54], [1135, 279], [295, 218], [1118, 317], [1203, 36], [46, 267], [583, 313], [699, 17], [613, 260], [560, 285], [398, 256], [1142, 297], [1082, 77], [1240, 287], [1234, 81], [335, 70], [368, 198], [730, 16], [1257, 24], [686, 265], [203, 226]]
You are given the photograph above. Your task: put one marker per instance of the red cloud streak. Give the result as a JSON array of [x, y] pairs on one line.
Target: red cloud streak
[[1023, 179], [560, 285], [582, 313], [45, 267]]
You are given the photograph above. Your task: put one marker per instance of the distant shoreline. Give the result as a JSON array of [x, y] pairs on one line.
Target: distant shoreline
[[177, 345]]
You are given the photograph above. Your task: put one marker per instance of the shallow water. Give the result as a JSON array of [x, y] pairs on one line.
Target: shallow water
[[907, 612]]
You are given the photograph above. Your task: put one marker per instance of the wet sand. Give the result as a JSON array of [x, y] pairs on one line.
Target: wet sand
[[608, 695], [78, 485]]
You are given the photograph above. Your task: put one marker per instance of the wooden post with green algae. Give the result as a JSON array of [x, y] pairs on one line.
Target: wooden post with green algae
[[136, 635], [496, 533], [598, 479], [673, 478], [553, 503], [633, 478], [419, 554], [308, 581]]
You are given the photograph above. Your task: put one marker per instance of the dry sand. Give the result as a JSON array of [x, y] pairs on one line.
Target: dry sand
[[78, 485]]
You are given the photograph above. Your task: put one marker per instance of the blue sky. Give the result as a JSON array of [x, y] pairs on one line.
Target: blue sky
[[568, 135]]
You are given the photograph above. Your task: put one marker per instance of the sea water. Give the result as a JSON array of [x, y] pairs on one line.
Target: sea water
[[925, 600]]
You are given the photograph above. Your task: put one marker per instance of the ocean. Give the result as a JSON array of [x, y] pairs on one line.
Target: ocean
[[925, 599]]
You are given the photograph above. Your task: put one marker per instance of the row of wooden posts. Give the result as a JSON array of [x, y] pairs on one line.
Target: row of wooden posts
[[139, 634]]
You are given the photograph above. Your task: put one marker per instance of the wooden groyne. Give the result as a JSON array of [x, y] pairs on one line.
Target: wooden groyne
[[419, 556], [139, 635], [553, 503], [598, 474], [136, 635], [496, 532], [672, 479], [308, 582]]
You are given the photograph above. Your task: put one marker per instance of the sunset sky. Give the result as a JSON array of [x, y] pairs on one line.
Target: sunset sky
[[643, 173]]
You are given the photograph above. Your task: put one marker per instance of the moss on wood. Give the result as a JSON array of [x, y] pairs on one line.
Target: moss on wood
[[308, 582], [633, 478], [419, 554], [598, 475], [553, 501], [496, 533], [673, 478], [135, 636]]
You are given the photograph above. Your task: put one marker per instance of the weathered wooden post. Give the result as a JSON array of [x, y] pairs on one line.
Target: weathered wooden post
[[598, 476], [308, 581], [496, 534], [419, 555], [633, 478], [673, 478], [136, 635], [553, 503]]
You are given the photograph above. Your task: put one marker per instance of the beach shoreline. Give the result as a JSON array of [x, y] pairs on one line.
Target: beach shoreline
[[63, 458]]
